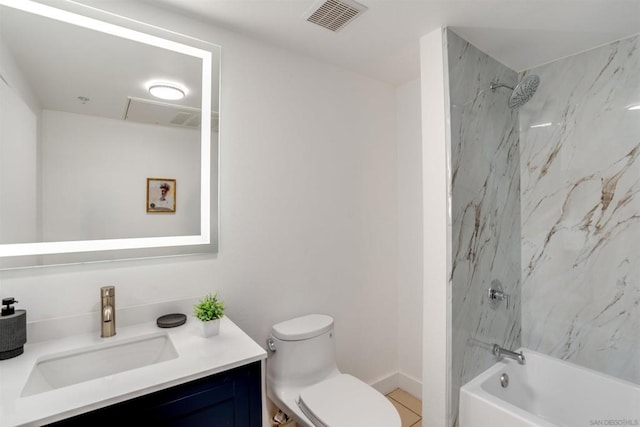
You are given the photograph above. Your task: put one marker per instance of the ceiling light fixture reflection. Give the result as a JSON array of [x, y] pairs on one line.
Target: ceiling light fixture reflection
[[633, 107], [168, 91], [541, 125]]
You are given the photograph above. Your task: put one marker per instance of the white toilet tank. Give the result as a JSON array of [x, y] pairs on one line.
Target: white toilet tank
[[302, 351]]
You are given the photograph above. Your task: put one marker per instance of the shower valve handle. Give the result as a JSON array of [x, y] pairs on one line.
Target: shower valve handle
[[496, 295]]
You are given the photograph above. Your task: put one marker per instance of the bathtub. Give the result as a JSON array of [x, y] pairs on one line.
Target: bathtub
[[547, 392]]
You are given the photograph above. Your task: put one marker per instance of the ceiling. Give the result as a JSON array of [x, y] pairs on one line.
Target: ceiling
[[383, 42], [78, 70]]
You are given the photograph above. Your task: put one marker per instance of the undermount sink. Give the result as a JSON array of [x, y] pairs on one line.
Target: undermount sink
[[101, 360]]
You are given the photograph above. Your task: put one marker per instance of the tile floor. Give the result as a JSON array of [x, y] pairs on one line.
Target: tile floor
[[409, 407]]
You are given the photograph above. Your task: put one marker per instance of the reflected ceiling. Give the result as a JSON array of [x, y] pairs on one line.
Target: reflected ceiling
[[64, 75]]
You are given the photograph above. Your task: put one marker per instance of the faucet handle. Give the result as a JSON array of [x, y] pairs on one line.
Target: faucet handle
[[496, 295]]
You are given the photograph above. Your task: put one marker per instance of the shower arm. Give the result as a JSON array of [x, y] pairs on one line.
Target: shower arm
[[494, 86]]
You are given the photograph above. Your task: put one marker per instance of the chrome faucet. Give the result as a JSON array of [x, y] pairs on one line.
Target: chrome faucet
[[501, 352], [108, 311], [496, 295]]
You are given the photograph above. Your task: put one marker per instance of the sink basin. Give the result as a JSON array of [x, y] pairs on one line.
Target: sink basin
[[101, 360]]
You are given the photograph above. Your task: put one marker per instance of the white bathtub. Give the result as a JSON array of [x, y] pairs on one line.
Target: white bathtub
[[547, 392]]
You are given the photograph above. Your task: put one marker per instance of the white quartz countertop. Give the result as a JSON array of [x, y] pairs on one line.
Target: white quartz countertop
[[197, 357]]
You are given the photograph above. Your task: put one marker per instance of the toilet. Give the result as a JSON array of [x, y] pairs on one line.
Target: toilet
[[305, 383]]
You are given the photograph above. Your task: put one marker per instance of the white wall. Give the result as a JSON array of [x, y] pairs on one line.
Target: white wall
[[95, 174], [14, 76], [18, 169], [409, 140], [437, 238], [19, 115], [308, 208]]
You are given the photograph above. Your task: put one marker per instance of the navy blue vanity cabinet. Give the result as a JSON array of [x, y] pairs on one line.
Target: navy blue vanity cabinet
[[228, 399]]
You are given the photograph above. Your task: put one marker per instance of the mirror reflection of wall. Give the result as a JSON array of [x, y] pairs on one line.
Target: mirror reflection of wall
[[80, 133], [19, 188], [114, 158]]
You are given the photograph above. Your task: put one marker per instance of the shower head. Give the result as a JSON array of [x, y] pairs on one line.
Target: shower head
[[523, 91]]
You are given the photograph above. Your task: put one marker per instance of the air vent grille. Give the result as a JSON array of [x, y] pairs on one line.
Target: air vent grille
[[334, 14], [165, 114], [180, 119], [191, 120]]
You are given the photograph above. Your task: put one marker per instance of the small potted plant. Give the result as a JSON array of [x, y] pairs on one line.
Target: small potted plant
[[209, 311]]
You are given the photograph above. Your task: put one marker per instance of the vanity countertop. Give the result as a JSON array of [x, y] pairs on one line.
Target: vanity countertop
[[198, 357]]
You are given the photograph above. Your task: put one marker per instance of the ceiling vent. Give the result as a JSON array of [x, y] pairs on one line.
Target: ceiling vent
[[162, 113], [334, 14]]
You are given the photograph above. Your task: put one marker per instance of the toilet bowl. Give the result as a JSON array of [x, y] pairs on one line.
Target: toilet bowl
[[305, 383]]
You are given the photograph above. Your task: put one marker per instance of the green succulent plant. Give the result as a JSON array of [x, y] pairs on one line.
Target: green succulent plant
[[209, 308]]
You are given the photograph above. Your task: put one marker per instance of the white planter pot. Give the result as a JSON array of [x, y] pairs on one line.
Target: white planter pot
[[210, 328]]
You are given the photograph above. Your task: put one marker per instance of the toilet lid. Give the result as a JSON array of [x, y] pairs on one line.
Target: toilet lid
[[345, 401], [302, 328]]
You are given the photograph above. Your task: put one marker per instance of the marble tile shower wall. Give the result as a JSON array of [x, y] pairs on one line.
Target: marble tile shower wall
[[485, 210], [580, 185]]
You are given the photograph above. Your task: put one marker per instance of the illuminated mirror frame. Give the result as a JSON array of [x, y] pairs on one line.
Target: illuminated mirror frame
[[63, 247]]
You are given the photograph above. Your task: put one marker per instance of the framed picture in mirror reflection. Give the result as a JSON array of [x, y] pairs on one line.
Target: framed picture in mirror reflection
[[161, 195]]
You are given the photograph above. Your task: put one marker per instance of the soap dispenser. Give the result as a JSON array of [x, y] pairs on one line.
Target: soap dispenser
[[13, 330]]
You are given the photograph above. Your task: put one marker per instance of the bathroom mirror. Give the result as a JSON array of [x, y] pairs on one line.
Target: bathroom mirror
[[88, 156]]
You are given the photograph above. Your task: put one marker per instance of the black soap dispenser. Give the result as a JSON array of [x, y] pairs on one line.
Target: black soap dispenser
[[13, 330]]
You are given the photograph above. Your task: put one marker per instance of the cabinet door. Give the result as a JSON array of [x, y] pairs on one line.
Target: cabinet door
[[220, 401], [229, 399]]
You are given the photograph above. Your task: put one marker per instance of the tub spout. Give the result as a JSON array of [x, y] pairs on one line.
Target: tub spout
[[502, 352]]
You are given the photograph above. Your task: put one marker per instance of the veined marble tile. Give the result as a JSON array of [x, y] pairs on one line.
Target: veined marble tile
[[580, 201], [485, 210]]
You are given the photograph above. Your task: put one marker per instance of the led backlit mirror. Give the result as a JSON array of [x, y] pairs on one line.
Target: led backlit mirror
[[92, 165]]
